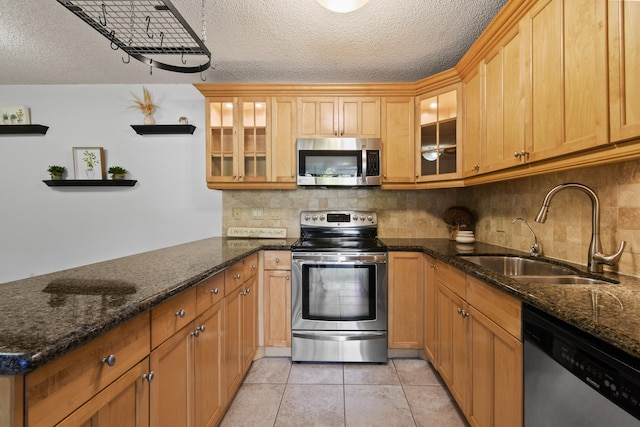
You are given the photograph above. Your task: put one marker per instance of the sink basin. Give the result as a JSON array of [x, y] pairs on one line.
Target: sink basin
[[516, 266], [563, 280]]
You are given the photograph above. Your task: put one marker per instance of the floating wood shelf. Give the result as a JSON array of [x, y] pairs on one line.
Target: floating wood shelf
[[23, 129], [164, 129], [90, 182]]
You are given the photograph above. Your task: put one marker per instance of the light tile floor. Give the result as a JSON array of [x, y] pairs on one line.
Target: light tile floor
[[404, 392]]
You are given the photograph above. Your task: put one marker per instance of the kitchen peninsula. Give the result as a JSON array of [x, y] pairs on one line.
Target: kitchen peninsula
[[49, 316]]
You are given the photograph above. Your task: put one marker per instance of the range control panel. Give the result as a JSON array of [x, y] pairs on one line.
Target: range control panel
[[338, 218]]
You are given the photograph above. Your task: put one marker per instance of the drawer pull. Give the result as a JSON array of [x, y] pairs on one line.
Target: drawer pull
[[149, 376], [109, 360], [253, 266], [200, 328], [277, 260], [237, 276], [247, 291], [181, 313], [215, 291], [196, 333]]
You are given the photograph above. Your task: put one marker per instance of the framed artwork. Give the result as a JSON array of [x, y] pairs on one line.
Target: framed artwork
[[88, 163], [15, 115]]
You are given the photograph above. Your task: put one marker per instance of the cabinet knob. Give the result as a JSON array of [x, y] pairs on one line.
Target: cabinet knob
[[149, 376], [335, 132], [384, 176], [277, 260], [181, 313], [253, 266], [237, 277], [459, 310], [287, 278], [195, 333], [433, 266], [243, 293], [110, 360], [200, 328], [476, 167], [246, 291], [215, 291]]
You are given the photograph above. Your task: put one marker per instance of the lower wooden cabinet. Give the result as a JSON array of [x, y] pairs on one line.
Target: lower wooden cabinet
[[249, 323], [429, 306], [277, 298], [405, 300], [123, 403]]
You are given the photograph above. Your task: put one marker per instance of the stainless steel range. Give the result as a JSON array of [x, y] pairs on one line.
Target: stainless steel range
[[339, 289]]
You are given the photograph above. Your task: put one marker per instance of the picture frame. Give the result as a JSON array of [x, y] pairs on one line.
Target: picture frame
[[15, 115], [88, 163]]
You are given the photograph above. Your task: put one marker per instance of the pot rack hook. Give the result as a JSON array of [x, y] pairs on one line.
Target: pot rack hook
[[148, 19], [184, 61], [204, 79], [128, 54], [112, 36], [103, 19], [161, 38], [151, 67]]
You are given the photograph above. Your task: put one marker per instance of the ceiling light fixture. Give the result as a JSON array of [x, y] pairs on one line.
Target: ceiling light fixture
[[342, 6]]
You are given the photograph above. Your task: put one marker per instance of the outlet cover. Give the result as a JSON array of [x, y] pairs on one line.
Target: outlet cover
[[236, 213], [276, 213], [500, 224], [256, 213]]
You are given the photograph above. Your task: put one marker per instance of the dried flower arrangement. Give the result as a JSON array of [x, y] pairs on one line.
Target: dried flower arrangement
[[146, 105]]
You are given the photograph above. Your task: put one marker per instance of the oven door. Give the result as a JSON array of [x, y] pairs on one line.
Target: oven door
[[339, 291]]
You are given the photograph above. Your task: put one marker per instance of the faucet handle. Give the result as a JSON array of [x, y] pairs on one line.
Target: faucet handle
[[601, 258]]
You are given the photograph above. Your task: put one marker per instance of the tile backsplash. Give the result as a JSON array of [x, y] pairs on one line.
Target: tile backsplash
[[565, 235]]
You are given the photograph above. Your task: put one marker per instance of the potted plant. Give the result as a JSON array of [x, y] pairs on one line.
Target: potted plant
[[5, 118], [146, 106], [56, 171], [117, 172]]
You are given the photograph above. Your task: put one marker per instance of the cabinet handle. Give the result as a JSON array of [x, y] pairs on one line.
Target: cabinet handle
[[243, 293], [110, 360], [335, 132], [417, 176], [215, 291], [434, 266], [459, 310], [342, 132], [277, 260], [287, 278], [149, 377], [200, 328], [181, 313], [476, 167], [253, 267], [384, 176], [195, 333], [237, 277], [516, 155], [246, 291]]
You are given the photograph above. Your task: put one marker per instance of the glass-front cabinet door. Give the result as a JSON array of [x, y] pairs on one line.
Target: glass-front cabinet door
[[438, 135], [238, 140]]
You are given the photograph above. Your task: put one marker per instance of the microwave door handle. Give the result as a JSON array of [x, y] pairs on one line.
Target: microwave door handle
[[364, 163]]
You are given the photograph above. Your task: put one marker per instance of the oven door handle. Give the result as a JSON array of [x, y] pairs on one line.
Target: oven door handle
[[340, 337]]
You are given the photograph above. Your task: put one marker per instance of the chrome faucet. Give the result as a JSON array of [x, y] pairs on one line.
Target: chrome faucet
[[535, 248], [595, 258]]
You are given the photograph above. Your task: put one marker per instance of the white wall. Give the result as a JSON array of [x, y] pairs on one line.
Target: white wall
[[45, 229]]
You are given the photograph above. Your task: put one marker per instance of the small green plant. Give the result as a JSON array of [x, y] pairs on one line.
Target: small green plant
[[56, 170], [117, 170], [5, 116]]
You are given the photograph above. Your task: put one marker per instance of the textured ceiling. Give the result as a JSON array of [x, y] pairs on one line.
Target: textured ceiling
[[41, 42]]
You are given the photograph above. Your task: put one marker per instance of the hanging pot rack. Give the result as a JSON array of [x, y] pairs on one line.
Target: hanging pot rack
[[145, 27]]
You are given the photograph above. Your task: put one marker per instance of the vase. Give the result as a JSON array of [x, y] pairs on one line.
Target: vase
[[56, 176], [90, 173], [117, 176], [149, 120]]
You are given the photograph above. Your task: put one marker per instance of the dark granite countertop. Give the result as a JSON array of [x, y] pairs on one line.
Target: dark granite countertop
[[49, 315]]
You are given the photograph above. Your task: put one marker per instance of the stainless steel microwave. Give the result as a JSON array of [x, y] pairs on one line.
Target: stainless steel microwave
[[338, 162]]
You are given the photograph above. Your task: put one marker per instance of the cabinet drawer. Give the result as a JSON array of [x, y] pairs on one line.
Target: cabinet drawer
[[498, 306], [209, 292], [451, 277], [277, 260], [233, 277], [250, 266], [60, 387], [172, 315]]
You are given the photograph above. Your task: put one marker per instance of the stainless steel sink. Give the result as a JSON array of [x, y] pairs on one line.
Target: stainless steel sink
[[516, 266], [563, 280]]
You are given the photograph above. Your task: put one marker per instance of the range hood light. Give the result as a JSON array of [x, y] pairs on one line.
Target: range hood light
[[342, 6]]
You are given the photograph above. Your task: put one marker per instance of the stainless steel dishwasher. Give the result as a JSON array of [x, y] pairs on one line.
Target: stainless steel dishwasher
[[573, 379]]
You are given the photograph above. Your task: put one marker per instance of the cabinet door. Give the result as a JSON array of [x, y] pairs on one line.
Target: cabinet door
[[624, 63], [567, 88], [277, 308], [405, 300], [473, 119], [452, 341], [318, 117], [254, 139], [496, 374], [249, 338], [504, 106], [283, 139], [232, 360], [222, 152], [124, 403], [171, 390], [209, 398], [430, 348], [398, 147], [438, 130], [359, 117]]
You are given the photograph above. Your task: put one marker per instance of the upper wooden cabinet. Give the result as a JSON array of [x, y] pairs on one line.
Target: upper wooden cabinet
[[328, 116], [624, 63], [472, 95], [398, 148], [283, 135], [565, 77], [238, 139], [438, 155]]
